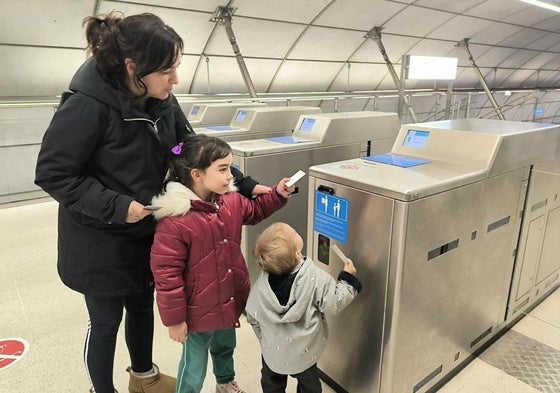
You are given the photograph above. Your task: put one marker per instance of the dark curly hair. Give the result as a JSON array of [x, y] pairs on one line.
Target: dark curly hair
[[144, 38]]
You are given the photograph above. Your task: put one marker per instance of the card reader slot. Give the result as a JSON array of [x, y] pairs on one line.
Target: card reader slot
[[326, 190]]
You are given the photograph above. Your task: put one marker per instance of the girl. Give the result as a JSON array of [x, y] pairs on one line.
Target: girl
[[201, 277]]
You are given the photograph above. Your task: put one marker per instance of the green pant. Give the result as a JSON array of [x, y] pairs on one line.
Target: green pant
[[192, 367]]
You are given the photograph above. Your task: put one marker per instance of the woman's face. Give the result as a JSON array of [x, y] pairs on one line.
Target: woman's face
[[160, 84]]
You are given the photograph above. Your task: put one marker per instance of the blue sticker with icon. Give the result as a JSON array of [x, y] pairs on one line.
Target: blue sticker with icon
[[330, 217]]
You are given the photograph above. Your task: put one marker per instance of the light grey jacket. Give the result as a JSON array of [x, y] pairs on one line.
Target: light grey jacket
[[293, 336]]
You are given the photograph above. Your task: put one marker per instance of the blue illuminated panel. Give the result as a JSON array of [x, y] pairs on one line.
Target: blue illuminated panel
[[397, 160], [241, 115], [416, 139], [307, 124]]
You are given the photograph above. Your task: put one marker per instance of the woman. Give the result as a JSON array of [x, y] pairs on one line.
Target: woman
[[103, 158]]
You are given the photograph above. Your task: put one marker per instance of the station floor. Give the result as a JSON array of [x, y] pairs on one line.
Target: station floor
[[36, 307]]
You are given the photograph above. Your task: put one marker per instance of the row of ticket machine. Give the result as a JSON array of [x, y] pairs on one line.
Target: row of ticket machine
[[452, 226]]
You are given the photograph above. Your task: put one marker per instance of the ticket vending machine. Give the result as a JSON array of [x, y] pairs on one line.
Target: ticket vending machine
[[432, 228], [317, 139], [255, 123], [216, 113]]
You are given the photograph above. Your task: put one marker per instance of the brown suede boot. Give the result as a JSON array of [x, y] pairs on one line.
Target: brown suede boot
[[156, 383]]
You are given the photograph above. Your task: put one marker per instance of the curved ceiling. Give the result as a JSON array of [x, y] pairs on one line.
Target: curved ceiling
[[294, 45]]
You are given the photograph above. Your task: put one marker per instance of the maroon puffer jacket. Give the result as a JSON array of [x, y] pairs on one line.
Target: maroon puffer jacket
[[200, 274]]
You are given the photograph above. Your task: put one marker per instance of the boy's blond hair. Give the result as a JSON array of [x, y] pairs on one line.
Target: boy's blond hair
[[275, 251]]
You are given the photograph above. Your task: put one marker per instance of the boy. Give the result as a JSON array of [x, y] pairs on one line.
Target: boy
[[286, 308]]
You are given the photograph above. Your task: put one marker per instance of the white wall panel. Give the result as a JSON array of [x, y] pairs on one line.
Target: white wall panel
[[539, 60], [523, 38], [459, 27], [24, 126], [548, 78], [185, 72], [37, 71], [193, 27], [39, 22], [304, 76], [528, 16], [225, 76], [342, 13], [416, 21], [386, 82], [496, 9], [493, 33], [395, 46], [553, 64], [433, 48], [518, 58], [202, 5], [319, 43], [466, 78], [551, 24], [494, 56], [446, 5], [274, 38], [497, 77], [518, 78], [545, 42], [362, 77], [286, 10]]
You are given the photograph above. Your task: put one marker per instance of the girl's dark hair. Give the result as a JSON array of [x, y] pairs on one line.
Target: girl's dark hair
[[196, 152], [144, 38]]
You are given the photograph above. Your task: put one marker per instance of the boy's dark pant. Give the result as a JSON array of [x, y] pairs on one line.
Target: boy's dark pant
[[308, 380]]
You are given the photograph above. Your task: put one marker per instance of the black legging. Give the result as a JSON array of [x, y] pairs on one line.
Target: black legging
[[105, 315]]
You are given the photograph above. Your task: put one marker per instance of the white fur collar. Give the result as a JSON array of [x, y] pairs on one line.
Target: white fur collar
[[176, 200]]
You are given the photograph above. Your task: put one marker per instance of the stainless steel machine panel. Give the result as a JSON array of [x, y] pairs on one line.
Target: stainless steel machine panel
[[537, 267], [353, 355], [258, 122], [269, 169], [449, 279], [449, 264]]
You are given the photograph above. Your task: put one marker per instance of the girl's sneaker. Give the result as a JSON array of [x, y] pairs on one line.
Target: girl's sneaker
[[230, 387]]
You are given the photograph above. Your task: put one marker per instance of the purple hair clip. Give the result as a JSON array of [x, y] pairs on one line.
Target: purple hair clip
[[177, 149]]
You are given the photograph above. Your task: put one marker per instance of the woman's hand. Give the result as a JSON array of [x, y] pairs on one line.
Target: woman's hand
[[260, 189], [136, 212]]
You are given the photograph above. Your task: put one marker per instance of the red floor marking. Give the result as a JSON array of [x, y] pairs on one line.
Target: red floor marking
[[12, 350]]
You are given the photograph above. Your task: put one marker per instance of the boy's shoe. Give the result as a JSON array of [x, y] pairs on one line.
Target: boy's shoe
[[230, 387]]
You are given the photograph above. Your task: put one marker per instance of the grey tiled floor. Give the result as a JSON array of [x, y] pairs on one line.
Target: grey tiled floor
[[36, 306]]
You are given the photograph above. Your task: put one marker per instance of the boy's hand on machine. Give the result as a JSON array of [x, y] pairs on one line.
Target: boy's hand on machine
[[349, 267], [283, 189], [178, 332]]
